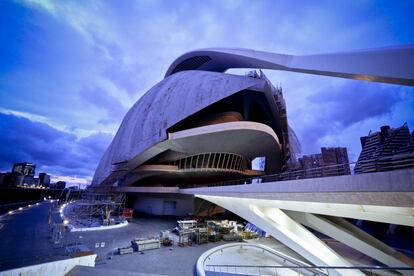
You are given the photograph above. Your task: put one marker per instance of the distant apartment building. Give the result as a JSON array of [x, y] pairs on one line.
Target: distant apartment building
[[26, 169], [311, 165], [11, 179], [23, 174], [3, 179], [44, 179], [335, 161], [58, 185], [330, 162], [388, 149]]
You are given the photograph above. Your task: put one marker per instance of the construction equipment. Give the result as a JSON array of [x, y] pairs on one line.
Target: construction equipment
[[246, 235], [185, 236], [128, 213], [186, 224], [200, 235], [125, 250], [165, 238], [143, 244], [215, 237], [232, 237], [186, 229]]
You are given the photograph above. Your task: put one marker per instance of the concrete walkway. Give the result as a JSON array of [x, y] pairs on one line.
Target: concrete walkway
[[25, 238]]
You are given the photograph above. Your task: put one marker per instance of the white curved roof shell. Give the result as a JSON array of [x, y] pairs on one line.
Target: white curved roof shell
[[167, 103]]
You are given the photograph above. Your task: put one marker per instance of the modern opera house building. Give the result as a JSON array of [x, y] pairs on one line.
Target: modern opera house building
[[200, 125], [196, 127]]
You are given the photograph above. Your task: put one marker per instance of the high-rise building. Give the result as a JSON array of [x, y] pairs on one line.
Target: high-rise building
[[335, 161], [388, 149], [26, 169], [2, 179], [312, 165], [60, 185], [44, 179], [330, 162]]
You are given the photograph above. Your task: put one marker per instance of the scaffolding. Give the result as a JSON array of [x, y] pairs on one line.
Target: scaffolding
[[96, 209]]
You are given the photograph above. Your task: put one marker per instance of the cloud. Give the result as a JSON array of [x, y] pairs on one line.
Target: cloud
[[52, 150], [331, 111], [101, 99], [77, 66]]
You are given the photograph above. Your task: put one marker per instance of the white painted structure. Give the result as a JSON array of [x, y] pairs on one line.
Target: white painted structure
[[56, 268], [97, 228], [283, 209], [387, 64]]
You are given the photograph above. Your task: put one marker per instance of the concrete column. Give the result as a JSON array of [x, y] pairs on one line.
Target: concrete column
[[286, 230], [347, 233]]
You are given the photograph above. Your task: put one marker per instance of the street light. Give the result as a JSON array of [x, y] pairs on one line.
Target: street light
[[65, 222]]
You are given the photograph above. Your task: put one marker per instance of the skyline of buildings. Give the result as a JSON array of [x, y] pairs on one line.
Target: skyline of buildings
[[22, 175], [332, 161], [387, 149]]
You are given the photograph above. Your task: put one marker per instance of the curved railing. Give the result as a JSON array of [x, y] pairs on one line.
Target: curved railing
[[323, 171], [288, 264], [202, 267]]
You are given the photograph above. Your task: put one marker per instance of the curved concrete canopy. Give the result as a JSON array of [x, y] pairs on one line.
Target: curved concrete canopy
[[231, 137], [227, 137], [389, 64]]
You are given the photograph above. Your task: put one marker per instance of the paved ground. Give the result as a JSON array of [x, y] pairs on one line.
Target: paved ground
[[25, 238], [114, 238], [164, 261]]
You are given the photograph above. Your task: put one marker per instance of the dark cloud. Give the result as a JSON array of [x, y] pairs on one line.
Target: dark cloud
[[332, 110], [55, 151], [356, 101]]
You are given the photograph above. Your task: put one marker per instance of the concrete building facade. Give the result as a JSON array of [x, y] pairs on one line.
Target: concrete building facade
[[198, 127], [387, 149]]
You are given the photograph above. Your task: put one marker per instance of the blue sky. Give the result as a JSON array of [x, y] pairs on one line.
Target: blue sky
[[69, 70]]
